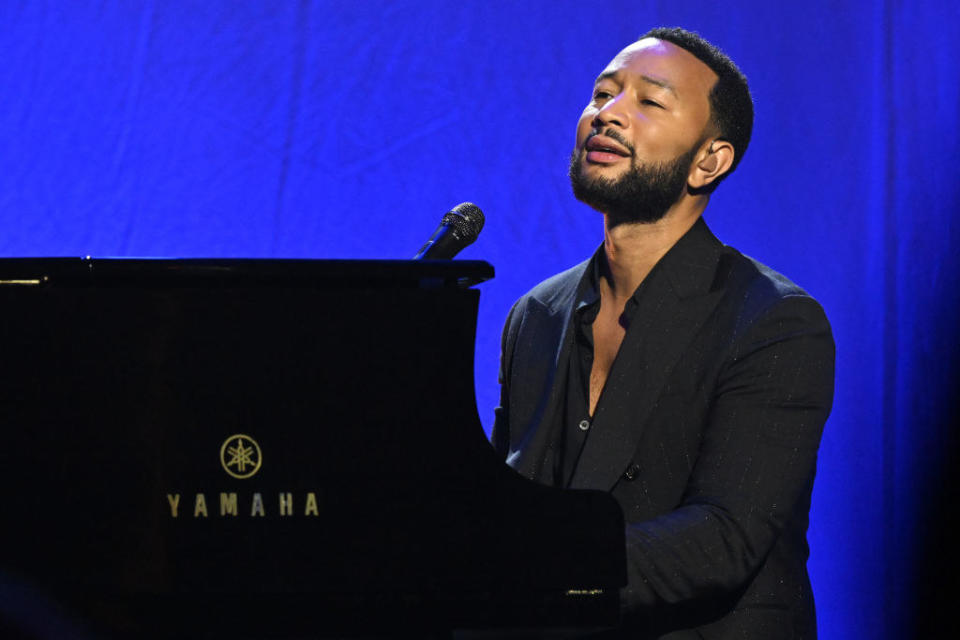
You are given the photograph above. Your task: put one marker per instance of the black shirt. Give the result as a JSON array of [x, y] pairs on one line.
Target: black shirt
[[577, 420]]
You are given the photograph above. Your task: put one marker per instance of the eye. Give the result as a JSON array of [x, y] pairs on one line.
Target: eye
[[602, 95], [652, 103]]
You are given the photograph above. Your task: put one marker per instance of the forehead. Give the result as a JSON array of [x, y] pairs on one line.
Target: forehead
[[662, 61]]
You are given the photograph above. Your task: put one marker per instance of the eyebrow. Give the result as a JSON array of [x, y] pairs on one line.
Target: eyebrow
[[660, 82]]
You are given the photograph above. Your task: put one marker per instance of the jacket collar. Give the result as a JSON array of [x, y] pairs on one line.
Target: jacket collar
[[690, 266]]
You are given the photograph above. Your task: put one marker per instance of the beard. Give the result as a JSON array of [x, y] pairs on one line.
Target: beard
[[644, 193]]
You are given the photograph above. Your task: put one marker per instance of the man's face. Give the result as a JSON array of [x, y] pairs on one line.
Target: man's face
[[640, 132]]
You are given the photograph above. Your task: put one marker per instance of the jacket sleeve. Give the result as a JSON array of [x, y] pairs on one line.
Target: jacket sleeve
[[500, 436], [755, 464]]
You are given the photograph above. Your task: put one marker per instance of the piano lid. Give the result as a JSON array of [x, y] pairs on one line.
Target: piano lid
[[218, 272]]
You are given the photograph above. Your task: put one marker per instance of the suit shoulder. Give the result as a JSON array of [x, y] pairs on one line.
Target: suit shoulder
[[759, 289]]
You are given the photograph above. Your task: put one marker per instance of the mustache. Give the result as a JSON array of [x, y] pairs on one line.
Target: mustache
[[613, 135]]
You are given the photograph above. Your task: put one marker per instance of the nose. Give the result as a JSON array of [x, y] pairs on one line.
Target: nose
[[613, 112]]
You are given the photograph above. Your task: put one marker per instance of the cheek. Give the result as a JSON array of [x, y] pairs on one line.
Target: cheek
[[659, 142], [584, 125]]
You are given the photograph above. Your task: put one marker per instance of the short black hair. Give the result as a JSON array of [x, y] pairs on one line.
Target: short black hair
[[731, 106]]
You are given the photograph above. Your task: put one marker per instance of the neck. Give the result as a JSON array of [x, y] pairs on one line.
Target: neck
[[632, 250]]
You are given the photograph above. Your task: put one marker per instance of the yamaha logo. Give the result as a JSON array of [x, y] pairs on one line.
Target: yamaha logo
[[240, 456]]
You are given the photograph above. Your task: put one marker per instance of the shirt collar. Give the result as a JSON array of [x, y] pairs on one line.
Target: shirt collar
[[588, 289]]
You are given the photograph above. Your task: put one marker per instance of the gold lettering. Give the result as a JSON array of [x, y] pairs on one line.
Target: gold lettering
[[228, 504], [256, 509], [311, 505], [286, 504], [200, 506], [174, 500]]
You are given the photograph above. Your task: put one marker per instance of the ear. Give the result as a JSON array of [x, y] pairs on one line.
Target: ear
[[712, 162]]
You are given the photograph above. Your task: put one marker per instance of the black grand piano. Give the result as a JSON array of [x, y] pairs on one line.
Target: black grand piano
[[271, 448]]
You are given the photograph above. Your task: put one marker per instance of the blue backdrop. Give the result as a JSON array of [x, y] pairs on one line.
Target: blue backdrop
[[345, 129]]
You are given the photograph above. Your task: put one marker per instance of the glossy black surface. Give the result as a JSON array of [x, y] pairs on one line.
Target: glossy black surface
[[119, 389], [205, 272]]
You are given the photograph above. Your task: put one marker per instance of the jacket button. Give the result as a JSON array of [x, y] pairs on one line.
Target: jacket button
[[631, 472]]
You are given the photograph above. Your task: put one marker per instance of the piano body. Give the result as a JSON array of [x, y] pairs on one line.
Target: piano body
[[271, 448]]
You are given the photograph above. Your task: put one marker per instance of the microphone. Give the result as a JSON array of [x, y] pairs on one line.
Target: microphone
[[459, 227]]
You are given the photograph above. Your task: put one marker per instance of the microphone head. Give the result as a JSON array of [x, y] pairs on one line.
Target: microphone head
[[459, 227], [466, 222]]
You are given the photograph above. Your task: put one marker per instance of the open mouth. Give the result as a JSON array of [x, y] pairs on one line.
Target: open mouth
[[603, 144], [603, 150]]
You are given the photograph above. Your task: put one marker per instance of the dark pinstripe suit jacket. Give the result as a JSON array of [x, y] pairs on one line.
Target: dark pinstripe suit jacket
[[706, 434]]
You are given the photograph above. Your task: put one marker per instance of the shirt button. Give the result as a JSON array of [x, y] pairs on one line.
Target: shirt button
[[584, 425]]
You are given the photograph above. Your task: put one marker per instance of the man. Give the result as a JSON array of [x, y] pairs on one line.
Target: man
[[685, 378]]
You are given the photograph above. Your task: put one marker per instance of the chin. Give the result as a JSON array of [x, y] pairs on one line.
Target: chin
[[611, 172]]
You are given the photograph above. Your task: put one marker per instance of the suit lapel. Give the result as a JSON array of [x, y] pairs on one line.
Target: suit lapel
[[673, 303]]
